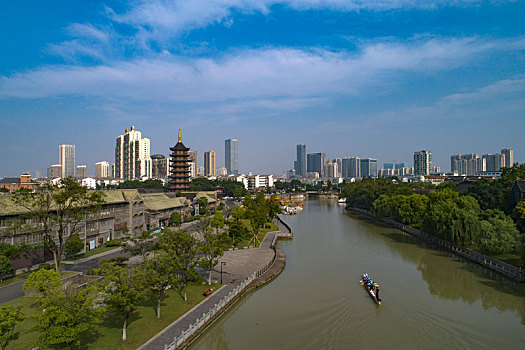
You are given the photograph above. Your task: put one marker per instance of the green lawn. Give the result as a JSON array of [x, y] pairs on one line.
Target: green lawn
[[91, 253], [108, 333], [262, 233]]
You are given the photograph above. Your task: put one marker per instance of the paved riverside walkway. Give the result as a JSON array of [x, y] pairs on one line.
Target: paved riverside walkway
[[239, 265]]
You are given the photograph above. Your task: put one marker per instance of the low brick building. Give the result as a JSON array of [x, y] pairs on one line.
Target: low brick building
[[160, 206], [16, 183]]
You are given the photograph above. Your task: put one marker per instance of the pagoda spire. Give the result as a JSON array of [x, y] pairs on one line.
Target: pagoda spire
[[180, 137]]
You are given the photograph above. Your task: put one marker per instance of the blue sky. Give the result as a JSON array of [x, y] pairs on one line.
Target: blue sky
[[376, 78]]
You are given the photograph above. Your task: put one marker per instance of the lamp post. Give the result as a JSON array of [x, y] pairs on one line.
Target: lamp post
[[222, 264]]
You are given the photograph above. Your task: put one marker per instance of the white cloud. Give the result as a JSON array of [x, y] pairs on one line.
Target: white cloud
[[158, 20], [250, 75]]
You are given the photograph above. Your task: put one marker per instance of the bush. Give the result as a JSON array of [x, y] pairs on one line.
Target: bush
[[46, 266], [8, 250], [5, 266], [118, 260], [114, 243], [73, 245]]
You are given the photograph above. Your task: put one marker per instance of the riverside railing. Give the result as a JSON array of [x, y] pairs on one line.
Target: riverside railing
[[508, 270], [217, 308]]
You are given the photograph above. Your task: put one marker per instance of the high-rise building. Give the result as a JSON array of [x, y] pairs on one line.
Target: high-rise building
[[132, 156], [315, 163], [368, 167], [422, 162], [494, 162], [300, 163], [160, 168], [231, 156], [209, 163], [221, 171], [66, 158], [509, 157], [54, 171], [339, 163], [467, 164], [351, 168], [102, 170], [81, 171], [193, 161], [179, 178], [331, 170]]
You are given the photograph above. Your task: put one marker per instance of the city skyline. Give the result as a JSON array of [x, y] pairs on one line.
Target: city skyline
[[358, 85]]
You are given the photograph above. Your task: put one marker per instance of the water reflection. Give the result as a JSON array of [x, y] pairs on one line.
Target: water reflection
[[451, 277]]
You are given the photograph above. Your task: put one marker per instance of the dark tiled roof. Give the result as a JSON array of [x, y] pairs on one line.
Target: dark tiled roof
[[10, 180], [521, 184]]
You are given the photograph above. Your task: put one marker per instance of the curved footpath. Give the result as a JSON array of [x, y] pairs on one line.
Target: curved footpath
[[240, 266]]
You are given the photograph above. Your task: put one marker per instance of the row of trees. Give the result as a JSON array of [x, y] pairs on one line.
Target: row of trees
[[444, 213], [454, 218], [229, 188]]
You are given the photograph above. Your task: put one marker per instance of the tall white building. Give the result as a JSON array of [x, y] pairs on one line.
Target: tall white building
[[66, 159], [101, 170], [132, 156], [422, 162]]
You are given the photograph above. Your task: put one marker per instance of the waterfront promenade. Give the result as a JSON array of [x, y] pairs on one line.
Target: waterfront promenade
[[240, 265]]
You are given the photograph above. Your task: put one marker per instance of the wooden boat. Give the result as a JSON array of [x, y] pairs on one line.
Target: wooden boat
[[372, 289]]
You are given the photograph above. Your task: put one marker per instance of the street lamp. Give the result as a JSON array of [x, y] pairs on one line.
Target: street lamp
[[222, 264]]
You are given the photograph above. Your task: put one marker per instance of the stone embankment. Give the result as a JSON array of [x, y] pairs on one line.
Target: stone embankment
[[245, 270], [505, 269]]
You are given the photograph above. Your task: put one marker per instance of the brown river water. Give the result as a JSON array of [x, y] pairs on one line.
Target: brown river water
[[431, 299]]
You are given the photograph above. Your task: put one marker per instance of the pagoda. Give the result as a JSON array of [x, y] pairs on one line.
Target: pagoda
[[179, 177]]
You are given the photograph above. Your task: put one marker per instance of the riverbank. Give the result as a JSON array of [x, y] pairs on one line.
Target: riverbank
[[246, 270], [501, 267]]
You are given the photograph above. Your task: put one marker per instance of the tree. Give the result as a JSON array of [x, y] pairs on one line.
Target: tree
[[212, 247], [5, 266], [73, 245], [181, 247], [217, 221], [498, 233], [161, 274], [67, 312], [43, 282], [60, 211], [124, 288], [10, 316], [175, 218], [237, 231], [237, 213], [202, 202], [519, 215], [141, 245]]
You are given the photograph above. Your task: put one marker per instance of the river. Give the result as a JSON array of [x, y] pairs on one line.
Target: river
[[431, 299]]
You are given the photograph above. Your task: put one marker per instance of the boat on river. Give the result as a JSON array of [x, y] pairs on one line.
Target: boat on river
[[371, 287], [341, 201]]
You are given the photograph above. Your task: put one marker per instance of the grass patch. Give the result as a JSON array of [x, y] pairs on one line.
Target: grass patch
[[143, 325], [14, 279], [260, 236], [91, 253]]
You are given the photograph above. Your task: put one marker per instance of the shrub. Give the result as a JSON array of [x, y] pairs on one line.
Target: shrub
[[46, 266], [114, 243], [5, 266], [73, 245]]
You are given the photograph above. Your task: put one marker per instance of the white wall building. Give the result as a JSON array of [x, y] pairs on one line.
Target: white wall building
[[101, 170], [89, 182]]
